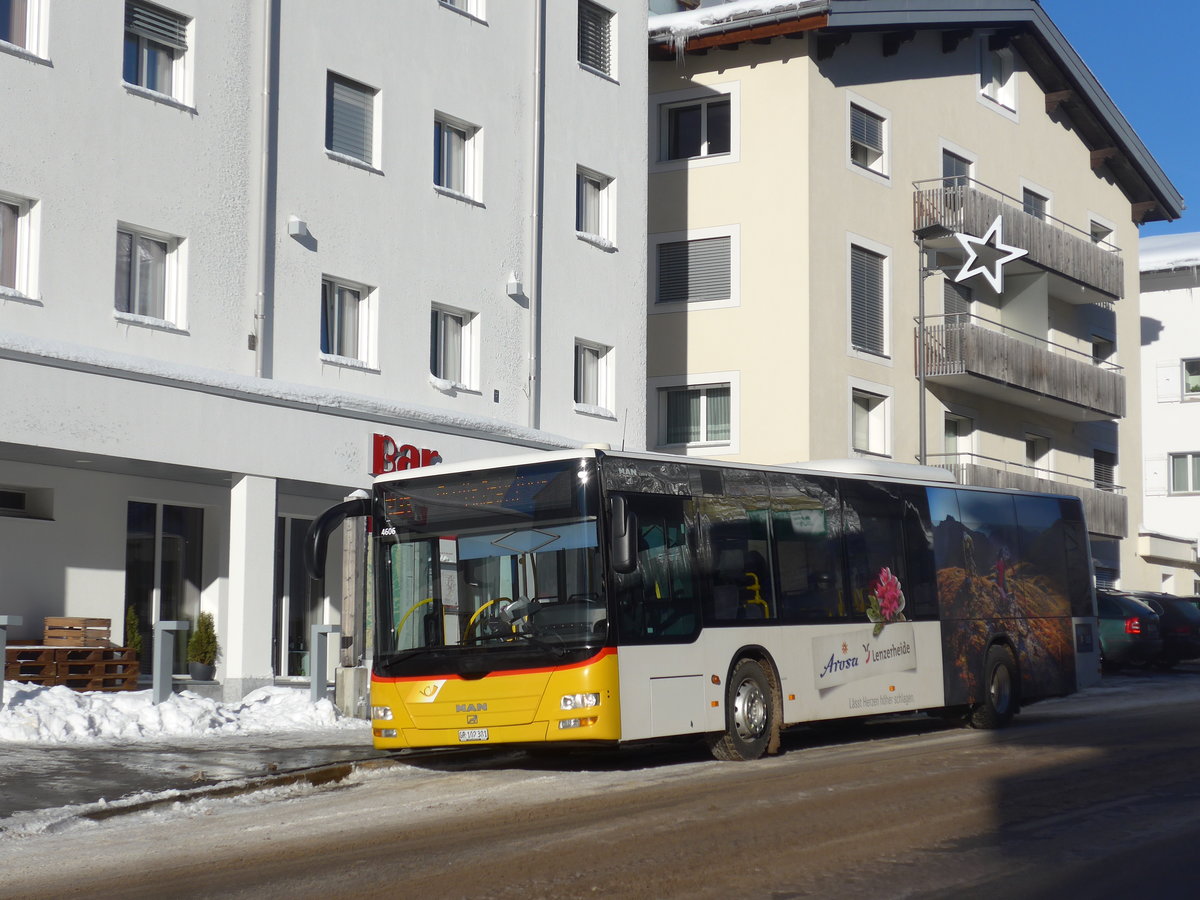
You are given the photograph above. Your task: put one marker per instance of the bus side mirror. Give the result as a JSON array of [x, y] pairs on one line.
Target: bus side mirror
[[316, 542], [624, 536]]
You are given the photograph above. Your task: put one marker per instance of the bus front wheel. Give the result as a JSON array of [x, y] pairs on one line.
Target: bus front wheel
[[751, 714], [1000, 685]]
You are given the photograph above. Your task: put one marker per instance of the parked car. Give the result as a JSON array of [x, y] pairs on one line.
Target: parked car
[[1179, 620], [1129, 631]]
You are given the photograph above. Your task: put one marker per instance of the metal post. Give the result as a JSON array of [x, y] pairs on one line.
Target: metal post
[[923, 274], [5, 621], [164, 657], [317, 651]]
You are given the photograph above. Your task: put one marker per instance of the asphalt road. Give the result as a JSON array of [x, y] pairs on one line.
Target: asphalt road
[[1088, 797]]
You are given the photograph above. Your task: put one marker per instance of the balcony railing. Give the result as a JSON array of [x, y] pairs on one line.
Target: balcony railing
[[1105, 506], [964, 345], [967, 206]]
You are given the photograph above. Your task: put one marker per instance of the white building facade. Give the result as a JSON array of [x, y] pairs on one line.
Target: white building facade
[[1170, 267], [251, 254]]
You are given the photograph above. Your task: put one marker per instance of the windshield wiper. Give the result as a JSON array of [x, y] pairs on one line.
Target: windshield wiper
[[557, 649]]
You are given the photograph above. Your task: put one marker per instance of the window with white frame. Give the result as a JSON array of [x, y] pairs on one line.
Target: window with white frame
[[696, 129], [454, 155], [593, 205], [694, 415], [595, 37], [592, 375], [868, 139], [1185, 473], [147, 276], [470, 7], [345, 319], [869, 428], [694, 271], [15, 246], [1035, 204], [1191, 378], [451, 346], [958, 432], [996, 69], [868, 300], [350, 119], [1037, 453], [1101, 232], [155, 45], [956, 170]]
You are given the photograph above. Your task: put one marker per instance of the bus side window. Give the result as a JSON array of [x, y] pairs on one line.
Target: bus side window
[[741, 582], [875, 551], [659, 600]]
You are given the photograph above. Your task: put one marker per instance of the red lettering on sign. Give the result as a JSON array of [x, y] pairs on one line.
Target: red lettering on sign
[[388, 456]]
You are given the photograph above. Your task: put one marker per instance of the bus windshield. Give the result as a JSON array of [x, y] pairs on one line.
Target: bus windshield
[[503, 566]]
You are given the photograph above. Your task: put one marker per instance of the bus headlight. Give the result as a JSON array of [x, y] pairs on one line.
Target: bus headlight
[[381, 713], [579, 701]]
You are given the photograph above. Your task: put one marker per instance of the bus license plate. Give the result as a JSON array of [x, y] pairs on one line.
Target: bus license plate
[[472, 734]]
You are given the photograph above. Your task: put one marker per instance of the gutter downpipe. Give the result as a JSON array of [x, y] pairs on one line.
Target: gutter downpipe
[[535, 274], [266, 232]]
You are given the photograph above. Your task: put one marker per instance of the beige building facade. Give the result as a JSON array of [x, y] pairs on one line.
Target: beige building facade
[[895, 233]]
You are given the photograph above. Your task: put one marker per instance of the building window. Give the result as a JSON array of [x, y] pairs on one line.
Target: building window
[[1037, 454], [996, 81], [694, 271], [696, 129], [595, 37], [14, 22], [451, 346], [299, 603], [1101, 233], [155, 43], [1103, 349], [146, 282], [867, 140], [956, 170], [163, 570], [454, 156], [16, 269], [695, 415], [956, 301], [869, 423], [1191, 378], [344, 319], [1035, 204], [1107, 577], [1104, 469], [1185, 473], [592, 205], [350, 119], [470, 7], [958, 431], [591, 375], [867, 301]]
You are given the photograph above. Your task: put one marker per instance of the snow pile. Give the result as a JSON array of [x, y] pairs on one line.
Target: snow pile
[[1163, 252], [32, 714]]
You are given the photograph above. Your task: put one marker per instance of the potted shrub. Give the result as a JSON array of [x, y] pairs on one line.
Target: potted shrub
[[203, 649]]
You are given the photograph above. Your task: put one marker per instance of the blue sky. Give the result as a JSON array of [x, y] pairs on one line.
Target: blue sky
[[1144, 54]]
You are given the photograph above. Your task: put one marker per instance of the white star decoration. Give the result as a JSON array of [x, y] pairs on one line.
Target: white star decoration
[[974, 266]]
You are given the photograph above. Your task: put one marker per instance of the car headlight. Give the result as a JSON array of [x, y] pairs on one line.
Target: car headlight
[[579, 701]]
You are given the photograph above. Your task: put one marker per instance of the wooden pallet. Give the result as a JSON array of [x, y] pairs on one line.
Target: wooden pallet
[[76, 632], [79, 668]]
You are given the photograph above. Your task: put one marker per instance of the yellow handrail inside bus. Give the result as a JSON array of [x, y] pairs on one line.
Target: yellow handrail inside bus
[[756, 588], [410, 612], [467, 630]]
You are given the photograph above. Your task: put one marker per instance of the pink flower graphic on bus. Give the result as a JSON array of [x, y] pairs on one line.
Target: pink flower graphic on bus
[[885, 602]]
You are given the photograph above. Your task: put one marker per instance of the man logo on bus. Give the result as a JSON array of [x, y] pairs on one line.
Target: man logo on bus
[[470, 707]]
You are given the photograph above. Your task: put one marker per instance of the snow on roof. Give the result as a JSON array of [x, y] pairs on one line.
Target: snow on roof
[[679, 26], [1163, 252], [34, 714]]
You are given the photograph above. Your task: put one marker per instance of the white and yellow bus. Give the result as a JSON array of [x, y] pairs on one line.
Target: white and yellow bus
[[594, 597]]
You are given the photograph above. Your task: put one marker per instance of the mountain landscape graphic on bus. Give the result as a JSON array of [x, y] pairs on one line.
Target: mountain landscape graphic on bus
[[1001, 572]]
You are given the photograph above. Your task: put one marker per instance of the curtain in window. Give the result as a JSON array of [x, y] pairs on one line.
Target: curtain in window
[[587, 204], [694, 270], [349, 127], [449, 157], [862, 422], [8, 245], [446, 346], [587, 371], [866, 300], [1191, 376], [594, 36], [717, 414], [339, 319], [141, 275], [683, 416], [12, 22]]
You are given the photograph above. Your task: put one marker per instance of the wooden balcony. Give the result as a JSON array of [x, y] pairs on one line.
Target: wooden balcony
[[943, 207], [989, 359], [1105, 508]]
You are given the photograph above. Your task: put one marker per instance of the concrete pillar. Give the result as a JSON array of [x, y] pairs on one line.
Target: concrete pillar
[[246, 637]]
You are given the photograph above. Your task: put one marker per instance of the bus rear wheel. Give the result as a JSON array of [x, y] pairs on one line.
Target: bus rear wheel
[[1001, 685], [751, 714]]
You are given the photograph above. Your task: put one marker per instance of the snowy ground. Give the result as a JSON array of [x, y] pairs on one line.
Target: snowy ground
[[32, 714]]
